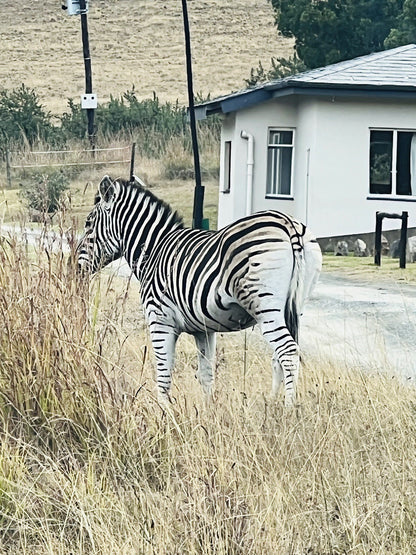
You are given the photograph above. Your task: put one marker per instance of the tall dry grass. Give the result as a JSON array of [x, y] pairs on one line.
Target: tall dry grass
[[91, 464]]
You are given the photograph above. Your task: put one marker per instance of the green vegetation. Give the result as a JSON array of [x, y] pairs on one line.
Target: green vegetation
[[150, 123], [404, 31], [160, 131], [329, 31], [23, 120], [43, 192], [280, 68]]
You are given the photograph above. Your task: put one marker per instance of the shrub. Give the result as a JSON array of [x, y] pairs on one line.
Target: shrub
[[23, 119], [126, 115], [43, 191]]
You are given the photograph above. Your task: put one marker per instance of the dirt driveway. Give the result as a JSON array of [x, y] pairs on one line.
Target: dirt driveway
[[362, 325]]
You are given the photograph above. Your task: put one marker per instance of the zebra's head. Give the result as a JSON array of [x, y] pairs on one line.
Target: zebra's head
[[101, 242]]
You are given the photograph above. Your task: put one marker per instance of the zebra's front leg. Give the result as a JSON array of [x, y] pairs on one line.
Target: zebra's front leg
[[164, 342], [206, 345]]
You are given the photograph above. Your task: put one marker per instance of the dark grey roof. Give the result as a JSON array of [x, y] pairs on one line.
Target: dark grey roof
[[390, 73]]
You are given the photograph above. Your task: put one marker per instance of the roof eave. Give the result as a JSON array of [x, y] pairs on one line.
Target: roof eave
[[232, 103], [345, 90], [249, 98]]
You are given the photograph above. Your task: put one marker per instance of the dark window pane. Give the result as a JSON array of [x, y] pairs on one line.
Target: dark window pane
[[279, 169], [381, 143], [285, 171], [404, 146]]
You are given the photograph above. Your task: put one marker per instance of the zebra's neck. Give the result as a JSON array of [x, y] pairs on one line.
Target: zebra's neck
[[145, 221]]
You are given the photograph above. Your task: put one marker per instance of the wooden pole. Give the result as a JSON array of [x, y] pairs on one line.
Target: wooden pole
[[8, 170], [199, 189], [403, 240], [133, 151], [377, 242]]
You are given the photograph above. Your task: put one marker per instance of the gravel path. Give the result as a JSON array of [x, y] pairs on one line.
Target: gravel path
[[364, 325]]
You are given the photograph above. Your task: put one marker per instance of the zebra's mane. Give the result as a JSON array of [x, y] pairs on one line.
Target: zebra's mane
[[163, 207]]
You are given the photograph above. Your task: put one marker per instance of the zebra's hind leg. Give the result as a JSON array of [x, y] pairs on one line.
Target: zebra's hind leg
[[164, 342], [206, 345], [289, 360], [285, 355], [277, 378]]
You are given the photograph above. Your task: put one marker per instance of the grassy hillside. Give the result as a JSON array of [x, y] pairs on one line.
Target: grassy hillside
[[136, 43]]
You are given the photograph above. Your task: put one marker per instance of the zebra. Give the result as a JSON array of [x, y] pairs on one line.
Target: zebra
[[259, 269]]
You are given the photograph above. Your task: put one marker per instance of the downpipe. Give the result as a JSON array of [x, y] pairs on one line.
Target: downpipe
[[250, 166]]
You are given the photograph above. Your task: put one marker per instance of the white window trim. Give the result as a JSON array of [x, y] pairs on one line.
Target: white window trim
[[393, 195], [292, 146]]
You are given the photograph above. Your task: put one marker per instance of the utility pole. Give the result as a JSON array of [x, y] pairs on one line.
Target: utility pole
[[89, 99], [199, 188]]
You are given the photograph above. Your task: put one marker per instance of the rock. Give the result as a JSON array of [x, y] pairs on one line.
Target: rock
[[394, 249], [341, 249], [360, 248], [411, 249], [384, 245]]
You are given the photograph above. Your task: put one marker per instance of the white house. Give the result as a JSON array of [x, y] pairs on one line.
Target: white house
[[330, 146]]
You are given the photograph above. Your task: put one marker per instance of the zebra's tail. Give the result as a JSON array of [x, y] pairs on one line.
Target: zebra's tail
[[295, 295]]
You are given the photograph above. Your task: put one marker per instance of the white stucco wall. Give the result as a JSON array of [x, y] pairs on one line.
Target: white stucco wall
[[331, 161]]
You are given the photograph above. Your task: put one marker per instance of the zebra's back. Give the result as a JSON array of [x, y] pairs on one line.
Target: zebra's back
[[216, 281]]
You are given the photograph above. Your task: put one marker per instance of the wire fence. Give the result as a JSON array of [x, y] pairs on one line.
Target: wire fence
[[67, 158]]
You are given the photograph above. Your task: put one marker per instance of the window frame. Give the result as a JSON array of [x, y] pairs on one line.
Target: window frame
[[393, 195], [274, 146]]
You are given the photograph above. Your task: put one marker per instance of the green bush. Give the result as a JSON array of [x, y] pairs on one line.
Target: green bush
[[154, 122], [150, 123], [23, 119], [43, 191]]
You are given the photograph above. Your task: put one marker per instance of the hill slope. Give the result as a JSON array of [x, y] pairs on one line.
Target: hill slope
[[136, 43]]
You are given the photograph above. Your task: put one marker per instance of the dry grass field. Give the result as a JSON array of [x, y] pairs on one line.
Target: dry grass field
[[91, 464], [134, 42]]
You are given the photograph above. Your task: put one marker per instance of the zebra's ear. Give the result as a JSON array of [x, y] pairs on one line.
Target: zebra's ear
[[106, 189]]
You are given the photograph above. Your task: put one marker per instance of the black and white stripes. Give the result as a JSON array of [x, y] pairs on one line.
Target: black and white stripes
[[259, 269]]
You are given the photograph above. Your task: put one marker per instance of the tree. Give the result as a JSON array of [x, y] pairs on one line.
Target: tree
[[405, 31], [22, 118], [280, 68], [328, 31]]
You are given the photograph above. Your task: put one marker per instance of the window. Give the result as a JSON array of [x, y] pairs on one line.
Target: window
[[279, 162], [392, 162], [227, 167]]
